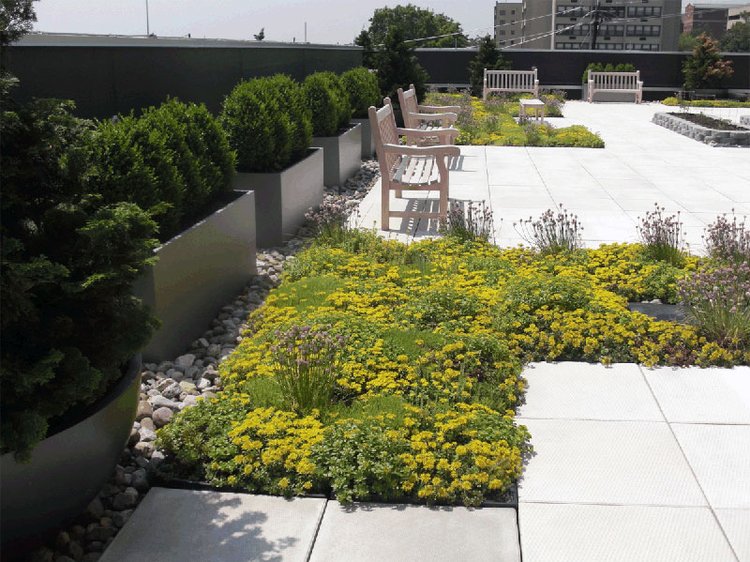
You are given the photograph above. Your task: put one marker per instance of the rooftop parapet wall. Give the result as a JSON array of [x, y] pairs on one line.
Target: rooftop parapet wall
[[106, 75]]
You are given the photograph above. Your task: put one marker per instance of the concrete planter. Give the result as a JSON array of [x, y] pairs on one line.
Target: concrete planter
[[368, 144], [67, 469], [198, 271], [745, 121], [283, 198], [342, 154], [703, 134]]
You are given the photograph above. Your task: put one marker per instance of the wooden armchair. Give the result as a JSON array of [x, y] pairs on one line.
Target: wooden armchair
[[403, 167], [434, 118]]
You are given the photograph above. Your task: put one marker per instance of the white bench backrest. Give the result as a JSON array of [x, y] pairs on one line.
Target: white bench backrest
[[615, 80], [510, 80], [409, 105], [383, 125]]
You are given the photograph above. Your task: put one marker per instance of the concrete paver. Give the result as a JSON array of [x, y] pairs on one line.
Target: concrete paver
[[586, 391], [720, 457], [179, 525], [700, 395], [620, 533], [736, 525], [390, 533], [607, 462]]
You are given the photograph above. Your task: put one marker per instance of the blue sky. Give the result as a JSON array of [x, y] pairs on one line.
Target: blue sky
[[328, 21]]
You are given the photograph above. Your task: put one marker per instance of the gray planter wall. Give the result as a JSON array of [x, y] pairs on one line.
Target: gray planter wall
[[283, 198], [694, 131], [67, 469], [342, 155], [368, 145], [197, 273]]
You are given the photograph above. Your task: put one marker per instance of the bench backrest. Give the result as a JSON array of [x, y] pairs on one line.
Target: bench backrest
[[510, 80], [408, 102], [614, 80], [383, 125]]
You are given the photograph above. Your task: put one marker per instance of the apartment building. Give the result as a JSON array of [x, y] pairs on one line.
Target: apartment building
[[714, 19], [624, 25]]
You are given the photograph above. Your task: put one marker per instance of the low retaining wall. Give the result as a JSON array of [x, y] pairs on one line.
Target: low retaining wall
[[702, 134]]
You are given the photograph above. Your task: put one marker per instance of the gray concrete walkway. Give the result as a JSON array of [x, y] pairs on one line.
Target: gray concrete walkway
[[636, 464], [607, 188]]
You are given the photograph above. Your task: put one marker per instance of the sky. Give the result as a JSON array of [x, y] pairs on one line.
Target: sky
[[328, 21]]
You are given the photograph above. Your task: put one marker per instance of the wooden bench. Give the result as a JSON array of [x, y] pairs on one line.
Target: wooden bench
[[404, 167], [627, 82], [510, 81], [433, 118]]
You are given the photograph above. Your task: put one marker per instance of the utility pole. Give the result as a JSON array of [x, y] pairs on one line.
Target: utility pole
[[148, 29], [595, 25]]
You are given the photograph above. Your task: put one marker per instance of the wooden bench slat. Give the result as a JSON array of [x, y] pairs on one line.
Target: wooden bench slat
[[518, 81], [626, 82]]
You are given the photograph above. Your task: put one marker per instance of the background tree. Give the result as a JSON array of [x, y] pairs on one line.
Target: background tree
[[415, 23], [398, 67], [737, 39], [368, 51], [16, 18], [705, 67], [489, 57], [687, 42], [260, 35]]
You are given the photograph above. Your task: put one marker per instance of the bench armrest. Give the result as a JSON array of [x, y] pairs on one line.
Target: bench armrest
[[439, 108], [452, 117], [437, 150]]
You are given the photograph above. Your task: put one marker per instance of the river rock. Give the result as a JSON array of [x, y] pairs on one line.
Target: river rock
[[162, 416]]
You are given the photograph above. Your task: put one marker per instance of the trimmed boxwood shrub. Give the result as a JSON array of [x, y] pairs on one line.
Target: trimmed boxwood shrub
[[69, 259], [362, 87], [173, 160], [267, 123], [609, 67], [328, 102]]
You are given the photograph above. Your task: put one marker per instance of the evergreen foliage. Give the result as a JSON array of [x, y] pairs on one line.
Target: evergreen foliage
[[363, 90], [69, 259], [398, 67], [416, 23], [488, 57], [329, 103]]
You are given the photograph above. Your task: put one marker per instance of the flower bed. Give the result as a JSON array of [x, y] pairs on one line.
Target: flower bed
[[674, 101], [492, 122], [422, 348]]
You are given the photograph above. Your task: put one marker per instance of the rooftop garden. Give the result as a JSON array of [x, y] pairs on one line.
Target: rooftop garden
[[381, 371]]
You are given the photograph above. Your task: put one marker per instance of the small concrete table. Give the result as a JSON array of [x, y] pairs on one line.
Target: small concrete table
[[535, 104]]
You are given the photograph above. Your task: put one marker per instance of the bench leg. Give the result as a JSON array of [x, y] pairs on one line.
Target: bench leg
[[385, 215]]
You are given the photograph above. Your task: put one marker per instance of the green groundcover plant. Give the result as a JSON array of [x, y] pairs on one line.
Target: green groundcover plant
[[674, 101], [427, 342], [492, 122]]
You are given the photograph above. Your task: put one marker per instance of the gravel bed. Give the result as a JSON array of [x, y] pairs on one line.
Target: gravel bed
[[173, 385]]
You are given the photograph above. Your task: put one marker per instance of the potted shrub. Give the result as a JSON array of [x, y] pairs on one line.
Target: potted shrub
[[71, 329], [175, 160], [269, 125], [341, 141], [363, 90]]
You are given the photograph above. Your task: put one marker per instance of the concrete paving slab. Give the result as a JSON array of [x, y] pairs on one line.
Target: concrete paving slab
[[607, 462], [597, 533], [720, 457], [179, 525], [388, 533], [698, 395], [573, 390], [736, 525]]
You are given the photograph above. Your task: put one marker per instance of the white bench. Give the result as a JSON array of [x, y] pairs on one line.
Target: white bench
[[515, 81], [627, 82], [434, 118], [402, 167]]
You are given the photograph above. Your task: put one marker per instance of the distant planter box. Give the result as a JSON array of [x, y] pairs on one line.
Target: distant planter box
[[368, 146], [342, 154], [283, 198], [702, 134], [197, 273]]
